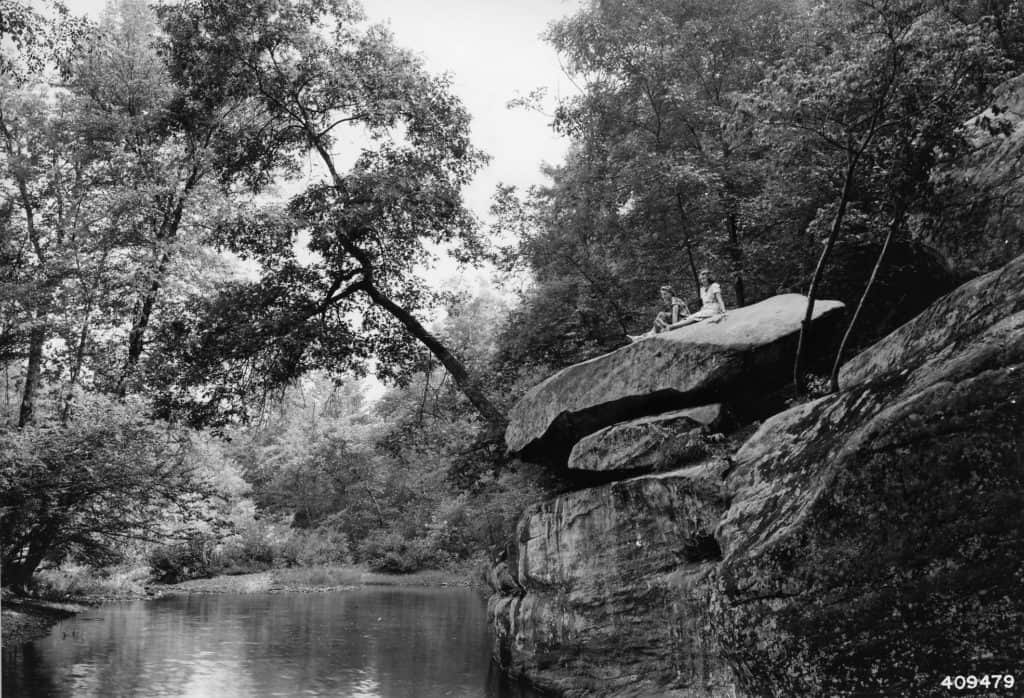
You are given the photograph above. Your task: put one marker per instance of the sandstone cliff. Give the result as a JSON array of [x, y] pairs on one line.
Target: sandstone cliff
[[864, 543]]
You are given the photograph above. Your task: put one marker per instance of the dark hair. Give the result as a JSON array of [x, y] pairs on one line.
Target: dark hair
[[711, 277]]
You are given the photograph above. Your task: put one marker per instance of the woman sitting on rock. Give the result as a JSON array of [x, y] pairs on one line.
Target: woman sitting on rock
[[673, 311], [712, 306]]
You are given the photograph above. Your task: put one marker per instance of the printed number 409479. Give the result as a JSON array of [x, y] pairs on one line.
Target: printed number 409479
[[970, 681]]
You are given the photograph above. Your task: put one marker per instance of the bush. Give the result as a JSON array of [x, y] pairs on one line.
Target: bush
[[78, 491], [390, 552], [190, 559], [73, 581], [321, 546]]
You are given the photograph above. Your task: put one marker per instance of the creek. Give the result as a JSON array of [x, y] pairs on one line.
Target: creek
[[374, 642]]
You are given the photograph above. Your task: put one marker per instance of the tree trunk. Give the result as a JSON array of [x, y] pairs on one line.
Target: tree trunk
[[687, 244], [33, 372], [168, 232], [833, 235], [467, 384], [469, 387], [894, 225], [140, 322], [76, 369], [736, 255], [17, 573]]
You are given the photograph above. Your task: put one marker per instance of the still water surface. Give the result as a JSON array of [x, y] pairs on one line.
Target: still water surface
[[364, 643]]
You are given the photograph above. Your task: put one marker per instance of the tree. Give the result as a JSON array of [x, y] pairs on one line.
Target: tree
[[660, 109], [53, 189], [877, 88], [665, 174], [369, 225], [102, 180], [181, 155], [36, 39], [84, 489]]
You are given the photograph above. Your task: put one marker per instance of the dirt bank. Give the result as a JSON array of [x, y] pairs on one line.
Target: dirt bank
[[22, 620]]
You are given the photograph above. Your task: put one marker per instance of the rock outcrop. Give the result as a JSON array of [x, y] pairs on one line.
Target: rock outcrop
[[875, 538], [735, 361], [869, 542], [584, 626], [661, 442]]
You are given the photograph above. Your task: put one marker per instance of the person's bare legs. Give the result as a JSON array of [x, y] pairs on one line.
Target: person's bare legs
[[691, 320]]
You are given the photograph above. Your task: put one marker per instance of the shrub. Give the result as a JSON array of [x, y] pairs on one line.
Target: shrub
[[75, 581], [78, 491], [323, 545], [390, 552], [193, 558]]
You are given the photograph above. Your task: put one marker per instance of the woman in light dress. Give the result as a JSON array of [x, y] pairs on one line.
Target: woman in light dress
[[711, 304]]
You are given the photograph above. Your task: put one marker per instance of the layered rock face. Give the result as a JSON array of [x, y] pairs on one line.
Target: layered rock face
[[875, 539], [617, 581], [865, 543]]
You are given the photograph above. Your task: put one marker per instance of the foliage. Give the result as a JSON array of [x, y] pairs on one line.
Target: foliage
[[75, 581], [84, 490], [389, 484], [34, 39], [148, 268], [318, 74], [188, 559], [324, 545], [127, 195], [742, 137], [102, 182], [396, 554]]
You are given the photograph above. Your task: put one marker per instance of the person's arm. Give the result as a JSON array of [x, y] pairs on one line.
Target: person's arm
[[683, 310], [721, 301]]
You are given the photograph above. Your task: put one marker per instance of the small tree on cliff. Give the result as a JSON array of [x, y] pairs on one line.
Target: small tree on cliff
[[874, 90], [319, 76]]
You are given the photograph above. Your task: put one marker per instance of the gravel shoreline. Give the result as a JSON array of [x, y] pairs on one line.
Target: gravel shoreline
[[23, 620]]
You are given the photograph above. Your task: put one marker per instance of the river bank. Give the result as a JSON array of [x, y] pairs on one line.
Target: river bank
[[23, 620], [315, 579]]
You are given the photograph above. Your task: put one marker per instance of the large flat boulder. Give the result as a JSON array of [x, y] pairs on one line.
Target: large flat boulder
[[733, 361], [875, 539], [615, 586], [661, 442]]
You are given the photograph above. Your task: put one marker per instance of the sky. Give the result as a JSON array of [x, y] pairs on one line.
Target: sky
[[493, 51]]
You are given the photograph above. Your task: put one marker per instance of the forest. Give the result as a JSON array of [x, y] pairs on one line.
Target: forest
[[215, 362]]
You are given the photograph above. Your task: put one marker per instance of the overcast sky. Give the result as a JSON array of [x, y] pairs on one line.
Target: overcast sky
[[493, 50]]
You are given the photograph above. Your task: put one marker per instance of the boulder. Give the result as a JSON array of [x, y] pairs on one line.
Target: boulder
[[875, 539], [616, 582], [662, 442], [735, 361]]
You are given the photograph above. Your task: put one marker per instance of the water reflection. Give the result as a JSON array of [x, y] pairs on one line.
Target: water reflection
[[367, 643]]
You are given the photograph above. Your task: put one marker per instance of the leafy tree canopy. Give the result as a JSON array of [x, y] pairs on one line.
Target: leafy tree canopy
[[320, 74]]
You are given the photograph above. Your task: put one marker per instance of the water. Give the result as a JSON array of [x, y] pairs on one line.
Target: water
[[364, 643]]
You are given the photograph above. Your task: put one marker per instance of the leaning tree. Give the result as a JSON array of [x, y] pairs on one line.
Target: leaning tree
[[388, 145]]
